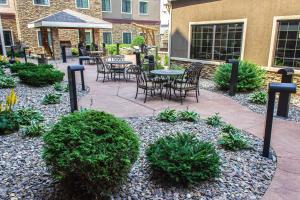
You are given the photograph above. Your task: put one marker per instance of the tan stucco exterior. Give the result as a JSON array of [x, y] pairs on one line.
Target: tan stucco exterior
[[259, 15]]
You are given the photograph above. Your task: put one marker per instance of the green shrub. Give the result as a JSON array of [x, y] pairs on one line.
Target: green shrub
[[250, 76], [228, 128], [188, 116], [214, 120], [28, 115], [41, 76], [183, 159], [94, 149], [259, 97], [233, 141], [58, 86], [166, 60], [16, 67], [16, 54], [51, 99], [1, 71], [138, 41], [35, 129], [74, 52], [167, 115], [111, 49], [8, 122], [7, 81], [177, 67]]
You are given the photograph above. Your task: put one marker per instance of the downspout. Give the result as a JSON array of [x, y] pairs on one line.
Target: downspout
[[170, 34], [2, 38]]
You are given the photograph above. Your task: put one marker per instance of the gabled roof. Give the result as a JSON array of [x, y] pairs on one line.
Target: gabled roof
[[70, 19]]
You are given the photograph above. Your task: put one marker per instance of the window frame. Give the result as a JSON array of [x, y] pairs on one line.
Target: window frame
[[145, 1], [12, 36], [130, 8], [82, 8], [110, 9], [123, 37], [37, 36], [91, 36], [232, 21], [41, 4], [273, 42], [4, 4], [111, 36]]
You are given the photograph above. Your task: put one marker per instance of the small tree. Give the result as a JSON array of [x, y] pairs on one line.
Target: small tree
[[138, 41]]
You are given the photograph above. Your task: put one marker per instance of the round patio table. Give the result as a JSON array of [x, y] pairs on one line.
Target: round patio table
[[120, 63], [119, 67], [167, 72]]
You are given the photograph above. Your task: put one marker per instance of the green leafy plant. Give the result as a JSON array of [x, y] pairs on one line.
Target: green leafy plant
[[177, 67], [7, 81], [190, 116], [35, 129], [74, 52], [167, 115], [8, 122], [259, 97], [214, 120], [28, 115], [250, 76], [138, 41], [41, 76], [183, 159], [93, 149], [51, 99], [166, 60], [232, 140], [16, 67], [58, 86]]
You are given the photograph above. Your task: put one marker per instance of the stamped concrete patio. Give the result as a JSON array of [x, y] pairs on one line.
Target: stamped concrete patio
[[118, 98]]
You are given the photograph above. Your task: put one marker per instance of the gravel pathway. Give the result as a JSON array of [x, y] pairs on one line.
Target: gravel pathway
[[243, 99], [244, 174]]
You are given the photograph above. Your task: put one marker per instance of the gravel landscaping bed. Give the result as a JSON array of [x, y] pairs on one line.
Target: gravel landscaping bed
[[244, 174], [243, 99]]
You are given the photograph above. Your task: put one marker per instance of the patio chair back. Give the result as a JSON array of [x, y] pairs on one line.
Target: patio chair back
[[192, 75], [82, 51], [100, 65], [115, 58]]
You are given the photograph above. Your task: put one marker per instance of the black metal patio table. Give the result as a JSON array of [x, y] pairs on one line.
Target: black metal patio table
[[118, 67]]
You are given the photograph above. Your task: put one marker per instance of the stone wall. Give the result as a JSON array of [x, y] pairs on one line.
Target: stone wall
[[26, 12], [118, 29]]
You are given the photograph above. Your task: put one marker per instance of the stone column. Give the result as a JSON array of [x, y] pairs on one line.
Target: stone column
[[96, 37], [56, 44], [45, 42], [81, 35]]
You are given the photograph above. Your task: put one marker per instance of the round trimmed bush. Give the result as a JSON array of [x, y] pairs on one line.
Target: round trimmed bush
[[40, 76], [250, 76], [8, 122], [16, 67], [92, 148], [183, 159]]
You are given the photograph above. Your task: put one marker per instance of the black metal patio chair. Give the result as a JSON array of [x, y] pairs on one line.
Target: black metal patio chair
[[104, 69]]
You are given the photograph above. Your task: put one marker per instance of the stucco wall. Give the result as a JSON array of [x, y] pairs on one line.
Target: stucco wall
[[259, 14], [26, 12]]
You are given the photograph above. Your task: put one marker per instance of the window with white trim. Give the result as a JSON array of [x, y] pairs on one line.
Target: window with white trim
[[40, 41], [8, 38], [287, 50], [41, 2], [88, 37], [107, 37], [82, 4], [126, 6], [216, 41], [3, 2], [126, 38], [106, 6], [143, 7]]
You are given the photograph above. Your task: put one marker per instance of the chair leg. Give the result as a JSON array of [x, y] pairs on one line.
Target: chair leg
[[137, 91], [146, 96], [97, 77], [103, 77], [197, 96]]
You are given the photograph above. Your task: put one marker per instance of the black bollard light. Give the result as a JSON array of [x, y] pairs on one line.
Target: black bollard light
[[63, 54], [151, 63], [12, 56], [273, 89], [118, 48], [284, 98], [24, 51], [234, 76], [138, 59], [104, 48], [72, 84]]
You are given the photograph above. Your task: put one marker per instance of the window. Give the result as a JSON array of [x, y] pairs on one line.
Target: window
[[126, 38], [126, 6], [82, 3], [106, 6], [40, 42], [8, 40], [287, 52], [107, 37], [88, 37], [216, 42], [41, 2], [3, 2], [143, 7]]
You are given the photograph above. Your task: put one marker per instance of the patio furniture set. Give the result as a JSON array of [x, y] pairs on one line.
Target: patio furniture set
[[164, 83]]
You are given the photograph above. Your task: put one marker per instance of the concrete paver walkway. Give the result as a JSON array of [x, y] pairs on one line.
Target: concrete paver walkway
[[118, 98]]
